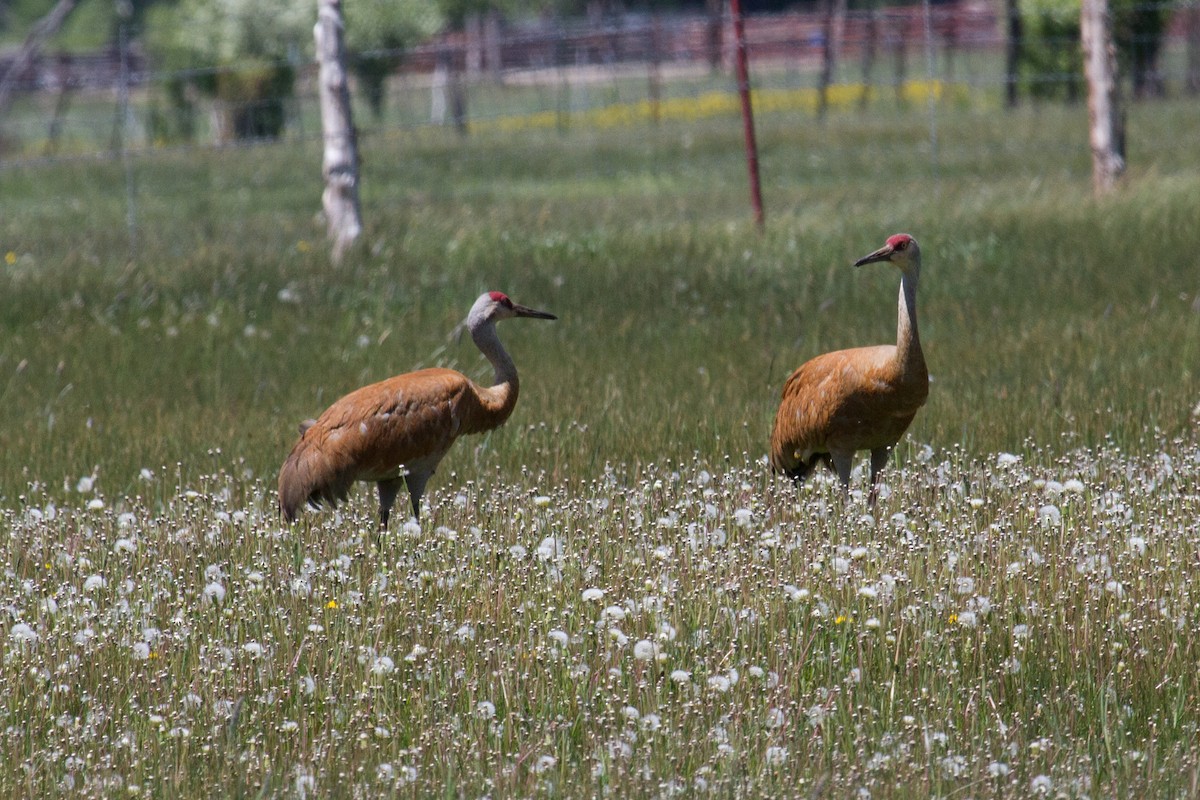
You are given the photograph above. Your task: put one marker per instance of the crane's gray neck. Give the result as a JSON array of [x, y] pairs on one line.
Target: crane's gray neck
[[484, 335], [908, 343]]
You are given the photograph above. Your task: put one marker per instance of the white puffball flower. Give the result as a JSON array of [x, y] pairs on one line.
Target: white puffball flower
[[253, 649], [383, 665], [559, 637], [1041, 785], [141, 650], [95, 504], [94, 582], [591, 595], [549, 549], [1049, 515], [22, 633], [485, 709], [614, 613], [214, 593], [719, 683], [681, 676], [645, 650]]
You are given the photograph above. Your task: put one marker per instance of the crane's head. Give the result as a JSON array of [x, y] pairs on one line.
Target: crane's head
[[900, 249], [495, 306]]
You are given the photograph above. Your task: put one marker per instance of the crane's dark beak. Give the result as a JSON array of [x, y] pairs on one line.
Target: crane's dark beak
[[882, 254], [523, 311]]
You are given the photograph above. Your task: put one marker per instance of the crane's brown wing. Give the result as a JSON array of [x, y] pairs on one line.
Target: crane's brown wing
[[842, 401], [374, 432]]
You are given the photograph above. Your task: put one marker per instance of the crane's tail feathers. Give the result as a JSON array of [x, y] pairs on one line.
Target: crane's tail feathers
[[310, 478]]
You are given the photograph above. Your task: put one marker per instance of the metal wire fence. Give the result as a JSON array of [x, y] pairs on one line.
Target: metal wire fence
[[608, 78]]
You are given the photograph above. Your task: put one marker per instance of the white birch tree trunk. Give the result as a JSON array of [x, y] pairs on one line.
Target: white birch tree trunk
[[343, 215], [1104, 113], [42, 30]]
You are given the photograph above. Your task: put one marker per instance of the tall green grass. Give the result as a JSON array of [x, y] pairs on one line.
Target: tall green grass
[[1046, 316], [610, 595]]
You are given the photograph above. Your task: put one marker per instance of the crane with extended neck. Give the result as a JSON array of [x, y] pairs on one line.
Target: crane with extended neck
[[859, 399], [395, 433]]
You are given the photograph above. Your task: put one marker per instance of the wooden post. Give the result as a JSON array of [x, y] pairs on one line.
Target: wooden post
[[832, 26], [743, 79], [654, 76], [1012, 52], [1104, 114], [340, 166]]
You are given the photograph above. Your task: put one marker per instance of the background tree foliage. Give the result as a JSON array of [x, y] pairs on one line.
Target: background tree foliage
[[376, 30], [1051, 53]]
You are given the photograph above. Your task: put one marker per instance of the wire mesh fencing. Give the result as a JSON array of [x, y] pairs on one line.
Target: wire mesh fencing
[[607, 79]]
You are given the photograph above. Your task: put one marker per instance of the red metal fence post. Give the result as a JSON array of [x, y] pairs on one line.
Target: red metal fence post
[[743, 79]]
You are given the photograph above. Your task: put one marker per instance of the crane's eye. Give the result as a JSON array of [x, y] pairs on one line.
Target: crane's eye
[[900, 245]]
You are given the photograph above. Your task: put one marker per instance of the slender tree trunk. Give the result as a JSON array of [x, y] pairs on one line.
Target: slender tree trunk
[[340, 167], [473, 30], [868, 55], [1012, 53], [899, 44], [1104, 112], [1192, 81], [42, 30], [831, 30], [714, 12], [654, 77], [492, 41]]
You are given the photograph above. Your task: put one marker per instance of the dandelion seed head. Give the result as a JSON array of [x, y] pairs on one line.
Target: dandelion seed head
[[214, 593], [645, 650], [382, 665], [22, 633]]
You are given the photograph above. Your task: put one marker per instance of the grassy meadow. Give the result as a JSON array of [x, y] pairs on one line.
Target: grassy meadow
[[610, 595]]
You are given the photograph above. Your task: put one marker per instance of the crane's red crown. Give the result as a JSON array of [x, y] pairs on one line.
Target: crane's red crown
[[500, 297], [899, 241]]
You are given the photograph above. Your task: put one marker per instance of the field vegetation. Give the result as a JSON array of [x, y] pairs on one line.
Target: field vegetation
[[611, 594]]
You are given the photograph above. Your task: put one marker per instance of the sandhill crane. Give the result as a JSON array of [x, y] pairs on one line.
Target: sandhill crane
[[397, 431], [859, 399]]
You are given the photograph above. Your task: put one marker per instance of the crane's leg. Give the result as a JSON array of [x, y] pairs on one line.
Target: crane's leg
[[842, 462], [416, 487], [879, 459], [387, 497]]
